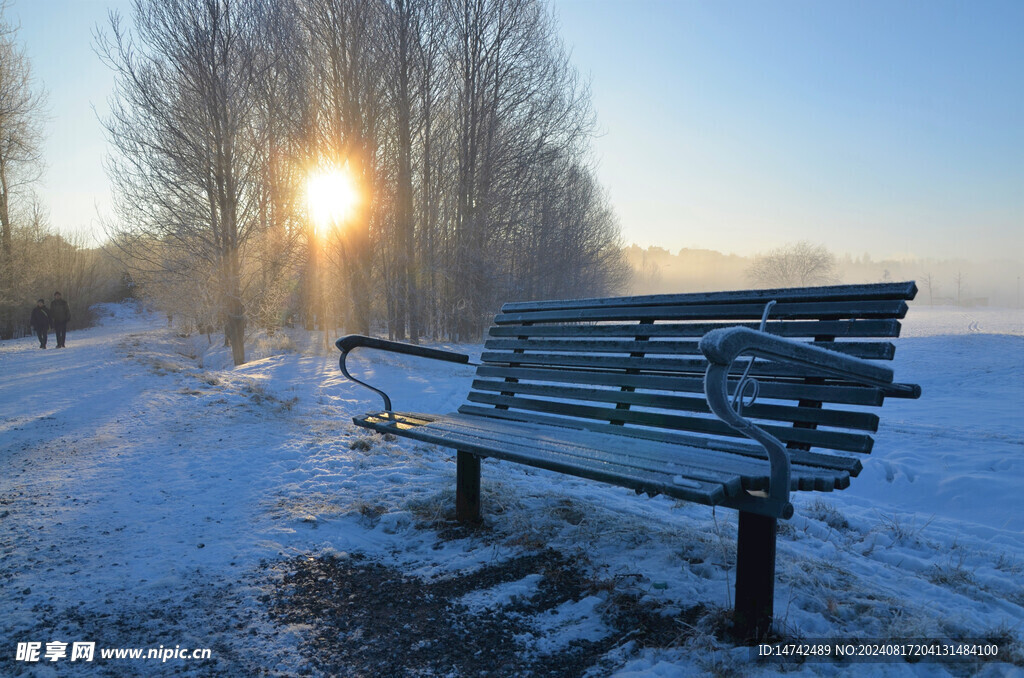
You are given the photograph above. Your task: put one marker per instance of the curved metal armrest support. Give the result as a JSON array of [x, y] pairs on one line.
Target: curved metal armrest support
[[722, 347], [352, 341], [716, 390]]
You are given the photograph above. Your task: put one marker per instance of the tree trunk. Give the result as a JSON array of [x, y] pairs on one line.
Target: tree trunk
[[234, 309], [7, 301], [359, 254]]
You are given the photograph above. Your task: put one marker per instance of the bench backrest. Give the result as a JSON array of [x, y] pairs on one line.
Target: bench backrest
[[631, 365]]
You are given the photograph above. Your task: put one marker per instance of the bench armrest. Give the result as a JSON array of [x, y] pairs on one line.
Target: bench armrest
[[725, 345], [352, 341], [722, 347]]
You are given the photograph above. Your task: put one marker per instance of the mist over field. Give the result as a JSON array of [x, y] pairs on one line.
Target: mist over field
[[656, 270]]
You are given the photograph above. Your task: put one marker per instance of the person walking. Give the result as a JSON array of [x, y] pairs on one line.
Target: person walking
[[40, 322], [60, 314]]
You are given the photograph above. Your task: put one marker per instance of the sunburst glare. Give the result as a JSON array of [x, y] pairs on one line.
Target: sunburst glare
[[331, 197]]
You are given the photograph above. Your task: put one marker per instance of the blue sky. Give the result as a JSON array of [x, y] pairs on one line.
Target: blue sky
[[895, 128], [889, 127], [58, 37]]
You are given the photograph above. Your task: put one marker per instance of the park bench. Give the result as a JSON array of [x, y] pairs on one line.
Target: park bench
[[660, 394]]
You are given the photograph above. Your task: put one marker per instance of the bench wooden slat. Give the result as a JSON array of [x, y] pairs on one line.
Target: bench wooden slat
[[706, 467], [659, 463], [809, 458], [790, 329], [873, 350], [530, 455], [761, 368], [840, 394], [849, 442], [707, 463], [795, 311], [899, 290], [865, 421]]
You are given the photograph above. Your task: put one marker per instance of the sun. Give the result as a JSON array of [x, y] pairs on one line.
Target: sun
[[331, 197]]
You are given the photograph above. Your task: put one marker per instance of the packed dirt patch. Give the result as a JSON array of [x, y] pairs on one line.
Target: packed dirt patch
[[362, 617]]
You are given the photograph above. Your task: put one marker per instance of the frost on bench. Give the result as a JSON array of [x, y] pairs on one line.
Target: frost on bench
[[648, 393]]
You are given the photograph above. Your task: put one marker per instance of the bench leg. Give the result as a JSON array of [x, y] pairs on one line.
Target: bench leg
[[755, 576], [467, 488]]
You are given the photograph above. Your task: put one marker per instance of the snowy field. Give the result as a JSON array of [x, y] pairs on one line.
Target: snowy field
[[153, 496]]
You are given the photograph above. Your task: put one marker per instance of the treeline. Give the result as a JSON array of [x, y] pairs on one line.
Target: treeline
[[463, 123], [42, 262]]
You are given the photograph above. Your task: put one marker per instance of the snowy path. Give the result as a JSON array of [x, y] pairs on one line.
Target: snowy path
[[113, 509], [145, 501]]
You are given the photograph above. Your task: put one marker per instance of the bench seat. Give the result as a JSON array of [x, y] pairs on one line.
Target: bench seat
[[696, 471]]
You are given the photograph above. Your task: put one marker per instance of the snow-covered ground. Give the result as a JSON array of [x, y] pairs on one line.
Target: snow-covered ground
[[151, 495]]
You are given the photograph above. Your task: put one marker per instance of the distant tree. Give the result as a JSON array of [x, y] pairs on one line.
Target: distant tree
[[46, 261], [800, 264], [928, 281], [22, 107], [648, 276]]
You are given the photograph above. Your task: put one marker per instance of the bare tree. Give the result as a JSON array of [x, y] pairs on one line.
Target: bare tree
[[347, 62], [928, 282], [463, 122], [520, 116], [467, 130], [22, 106], [402, 33], [283, 117], [48, 261], [186, 143], [799, 264]]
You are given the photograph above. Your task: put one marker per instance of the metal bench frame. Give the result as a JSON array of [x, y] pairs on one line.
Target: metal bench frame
[[721, 348]]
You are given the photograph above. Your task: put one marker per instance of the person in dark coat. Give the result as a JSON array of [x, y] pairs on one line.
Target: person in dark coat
[[60, 314], [40, 322]]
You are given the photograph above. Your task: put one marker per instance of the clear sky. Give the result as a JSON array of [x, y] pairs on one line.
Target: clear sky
[[891, 127], [58, 37], [888, 126]]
